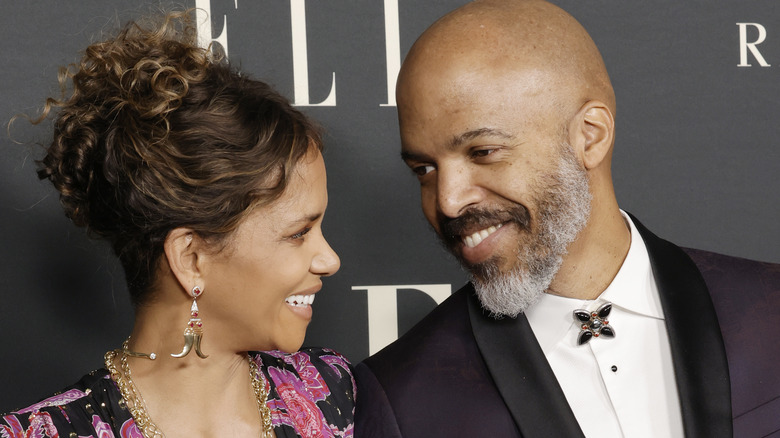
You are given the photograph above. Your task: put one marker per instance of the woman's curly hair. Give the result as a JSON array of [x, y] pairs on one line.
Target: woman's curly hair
[[152, 133]]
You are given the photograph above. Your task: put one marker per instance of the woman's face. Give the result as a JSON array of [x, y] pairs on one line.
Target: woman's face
[[260, 288]]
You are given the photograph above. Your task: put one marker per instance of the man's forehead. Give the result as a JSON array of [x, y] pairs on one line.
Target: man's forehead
[[484, 45], [473, 103], [467, 79]]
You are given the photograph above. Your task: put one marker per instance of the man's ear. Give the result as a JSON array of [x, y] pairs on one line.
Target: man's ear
[[595, 130], [183, 251]]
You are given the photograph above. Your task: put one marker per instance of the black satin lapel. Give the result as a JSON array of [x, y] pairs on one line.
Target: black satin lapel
[[523, 376], [698, 353]]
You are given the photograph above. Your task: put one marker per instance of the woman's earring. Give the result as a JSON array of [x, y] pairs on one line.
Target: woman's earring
[[193, 333]]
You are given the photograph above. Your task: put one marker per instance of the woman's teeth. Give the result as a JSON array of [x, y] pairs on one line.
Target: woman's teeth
[[300, 300], [477, 238]]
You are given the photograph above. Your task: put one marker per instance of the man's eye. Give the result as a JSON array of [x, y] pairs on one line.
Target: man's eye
[[481, 153], [422, 170]]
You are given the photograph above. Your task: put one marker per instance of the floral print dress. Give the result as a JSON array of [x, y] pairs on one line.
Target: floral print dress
[[311, 393]]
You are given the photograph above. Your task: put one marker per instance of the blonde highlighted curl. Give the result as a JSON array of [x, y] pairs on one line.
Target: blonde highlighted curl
[[154, 133]]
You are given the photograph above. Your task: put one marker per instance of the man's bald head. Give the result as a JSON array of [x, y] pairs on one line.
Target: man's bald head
[[507, 117], [494, 37]]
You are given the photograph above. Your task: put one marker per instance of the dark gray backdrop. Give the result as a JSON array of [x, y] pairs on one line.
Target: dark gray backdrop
[[696, 157]]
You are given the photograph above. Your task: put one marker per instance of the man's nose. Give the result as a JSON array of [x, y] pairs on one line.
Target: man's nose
[[456, 190]]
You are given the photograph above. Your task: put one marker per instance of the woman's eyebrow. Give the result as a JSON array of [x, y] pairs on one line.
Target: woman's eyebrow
[[307, 218]]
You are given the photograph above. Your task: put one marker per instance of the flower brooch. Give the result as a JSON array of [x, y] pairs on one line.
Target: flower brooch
[[594, 324]]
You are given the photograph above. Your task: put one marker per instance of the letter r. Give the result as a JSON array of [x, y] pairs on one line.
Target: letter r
[[744, 45]]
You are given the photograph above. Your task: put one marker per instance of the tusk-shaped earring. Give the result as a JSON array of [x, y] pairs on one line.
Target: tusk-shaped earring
[[198, 337], [193, 333], [189, 340]]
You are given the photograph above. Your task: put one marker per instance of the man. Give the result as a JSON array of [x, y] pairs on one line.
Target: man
[[577, 321]]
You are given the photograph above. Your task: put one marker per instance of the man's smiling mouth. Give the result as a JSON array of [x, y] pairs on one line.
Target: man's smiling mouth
[[476, 238]]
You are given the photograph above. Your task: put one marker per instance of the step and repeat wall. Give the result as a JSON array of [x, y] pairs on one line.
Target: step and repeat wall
[[696, 157]]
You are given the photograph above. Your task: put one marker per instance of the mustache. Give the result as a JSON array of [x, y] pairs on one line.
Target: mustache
[[478, 218]]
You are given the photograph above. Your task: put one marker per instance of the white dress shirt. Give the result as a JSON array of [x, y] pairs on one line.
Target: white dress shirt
[[622, 386]]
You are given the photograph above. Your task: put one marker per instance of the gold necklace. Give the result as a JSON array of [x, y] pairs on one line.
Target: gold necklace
[[137, 406]]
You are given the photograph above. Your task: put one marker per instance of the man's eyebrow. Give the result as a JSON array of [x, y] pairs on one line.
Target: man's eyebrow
[[411, 156], [457, 140]]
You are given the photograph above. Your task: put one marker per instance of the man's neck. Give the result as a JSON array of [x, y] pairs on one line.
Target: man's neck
[[594, 258]]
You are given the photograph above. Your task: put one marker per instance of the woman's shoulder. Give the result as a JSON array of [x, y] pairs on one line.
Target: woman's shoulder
[[303, 353], [307, 362], [92, 404], [311, 388]]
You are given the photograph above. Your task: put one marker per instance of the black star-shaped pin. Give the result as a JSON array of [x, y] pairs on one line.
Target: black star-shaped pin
[[594, 324]]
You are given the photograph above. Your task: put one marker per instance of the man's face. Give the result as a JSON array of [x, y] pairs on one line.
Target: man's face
[[498, 182]]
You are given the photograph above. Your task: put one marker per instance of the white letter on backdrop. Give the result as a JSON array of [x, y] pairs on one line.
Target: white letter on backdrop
[[203, 20], [301, 60], [744, 46], [383, 310], [392, 48]]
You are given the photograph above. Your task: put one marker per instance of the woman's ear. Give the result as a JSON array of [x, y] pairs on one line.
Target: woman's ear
[[595, 130], [183, 251]]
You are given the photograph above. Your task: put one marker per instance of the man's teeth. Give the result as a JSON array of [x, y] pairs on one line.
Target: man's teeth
[[477, 238], [300, 300]]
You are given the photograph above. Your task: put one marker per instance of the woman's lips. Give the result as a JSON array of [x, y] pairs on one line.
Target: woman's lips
[[300, 303]]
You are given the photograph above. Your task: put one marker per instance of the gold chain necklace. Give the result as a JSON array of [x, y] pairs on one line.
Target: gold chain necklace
[[135, 401]]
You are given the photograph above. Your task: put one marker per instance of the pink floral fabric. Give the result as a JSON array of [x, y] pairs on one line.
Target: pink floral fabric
[[88, 410], [310, 394], [57, 400], [41, 426], [102, 429], [130, 430], [11, 428]]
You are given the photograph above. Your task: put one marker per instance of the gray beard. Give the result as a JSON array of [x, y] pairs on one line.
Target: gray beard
[[563, 200]]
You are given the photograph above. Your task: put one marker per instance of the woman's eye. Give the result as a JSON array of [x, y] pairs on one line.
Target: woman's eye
[[300, 234], [422, 170]]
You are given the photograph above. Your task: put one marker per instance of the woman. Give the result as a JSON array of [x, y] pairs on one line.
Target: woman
[[211, 189]]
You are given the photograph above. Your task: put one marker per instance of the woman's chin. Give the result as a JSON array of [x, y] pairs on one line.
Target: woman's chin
[[288, 347], [290, 343]]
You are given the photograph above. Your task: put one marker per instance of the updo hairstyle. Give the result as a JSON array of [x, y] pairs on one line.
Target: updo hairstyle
[[153, 133]]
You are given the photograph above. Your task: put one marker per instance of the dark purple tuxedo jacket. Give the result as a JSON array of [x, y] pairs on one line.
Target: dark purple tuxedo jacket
[[460, 373]]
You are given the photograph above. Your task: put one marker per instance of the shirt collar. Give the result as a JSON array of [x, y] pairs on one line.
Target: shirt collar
[[633, 289]]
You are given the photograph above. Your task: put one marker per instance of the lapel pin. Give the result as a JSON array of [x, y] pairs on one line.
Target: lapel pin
[[594, 324]]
